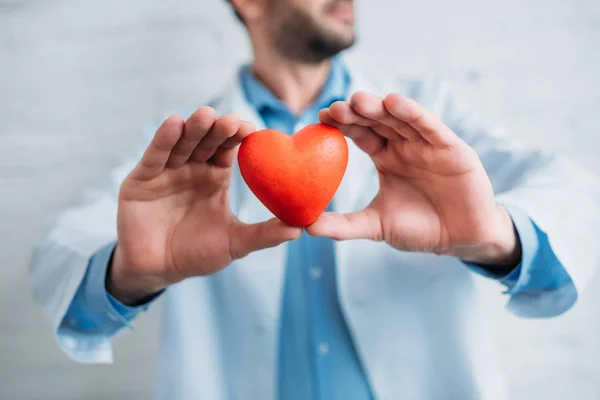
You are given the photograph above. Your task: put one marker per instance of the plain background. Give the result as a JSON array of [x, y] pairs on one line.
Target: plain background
[[79, 78]]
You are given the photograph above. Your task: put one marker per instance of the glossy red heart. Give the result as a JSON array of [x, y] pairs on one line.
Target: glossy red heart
[[294, 176]]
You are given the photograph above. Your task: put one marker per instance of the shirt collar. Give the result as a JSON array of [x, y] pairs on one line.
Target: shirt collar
[[335, 88]]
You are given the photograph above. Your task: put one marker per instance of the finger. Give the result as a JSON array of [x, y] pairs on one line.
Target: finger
[[344, 113], [247, 238], [371, 107], [225, 155], [155, 158], [363, 137], [246, 128], [364, 224], [327, 119], [196, 127], [223, 128], [426, 124]]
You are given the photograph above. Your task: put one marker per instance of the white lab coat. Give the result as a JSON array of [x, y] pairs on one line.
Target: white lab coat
[[415, 318]]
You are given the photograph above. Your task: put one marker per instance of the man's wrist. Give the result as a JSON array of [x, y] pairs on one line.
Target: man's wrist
[[126, 286], [502, 250]]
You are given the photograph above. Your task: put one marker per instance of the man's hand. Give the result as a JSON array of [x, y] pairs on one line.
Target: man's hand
[[174, 219], [434, 195]]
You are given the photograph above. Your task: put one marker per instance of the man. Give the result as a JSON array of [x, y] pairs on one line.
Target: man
[[375, 300]]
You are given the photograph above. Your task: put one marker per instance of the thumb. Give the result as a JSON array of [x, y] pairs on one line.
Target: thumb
[[364, 224], [252, 237]]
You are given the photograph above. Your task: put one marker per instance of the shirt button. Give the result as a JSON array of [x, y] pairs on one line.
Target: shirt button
[[323, 349], [316, 273]]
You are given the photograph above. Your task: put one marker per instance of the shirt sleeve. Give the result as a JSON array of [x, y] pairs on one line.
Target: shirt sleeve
[[540, 271], [93, 311]]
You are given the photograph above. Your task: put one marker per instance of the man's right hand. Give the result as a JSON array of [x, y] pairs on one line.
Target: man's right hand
[[174, 219]]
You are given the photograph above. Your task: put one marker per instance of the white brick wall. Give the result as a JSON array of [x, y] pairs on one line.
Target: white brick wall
[[78, 78]]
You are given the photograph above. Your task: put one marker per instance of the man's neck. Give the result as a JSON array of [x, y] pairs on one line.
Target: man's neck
[[294, 83]]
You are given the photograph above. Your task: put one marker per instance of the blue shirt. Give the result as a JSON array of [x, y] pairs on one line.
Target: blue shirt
[[317, 358]]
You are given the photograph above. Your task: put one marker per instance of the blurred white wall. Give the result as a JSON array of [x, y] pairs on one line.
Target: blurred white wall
[[78, 79]]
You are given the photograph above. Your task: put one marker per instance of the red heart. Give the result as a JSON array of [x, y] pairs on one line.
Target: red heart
[[295, 176]]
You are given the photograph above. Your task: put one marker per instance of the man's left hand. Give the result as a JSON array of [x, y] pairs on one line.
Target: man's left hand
[[434, 194]]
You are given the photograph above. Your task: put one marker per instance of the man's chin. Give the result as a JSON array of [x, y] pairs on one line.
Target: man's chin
[[343, 35]]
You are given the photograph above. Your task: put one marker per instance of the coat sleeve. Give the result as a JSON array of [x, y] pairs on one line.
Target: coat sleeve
[[561, 199], [63, 258]]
